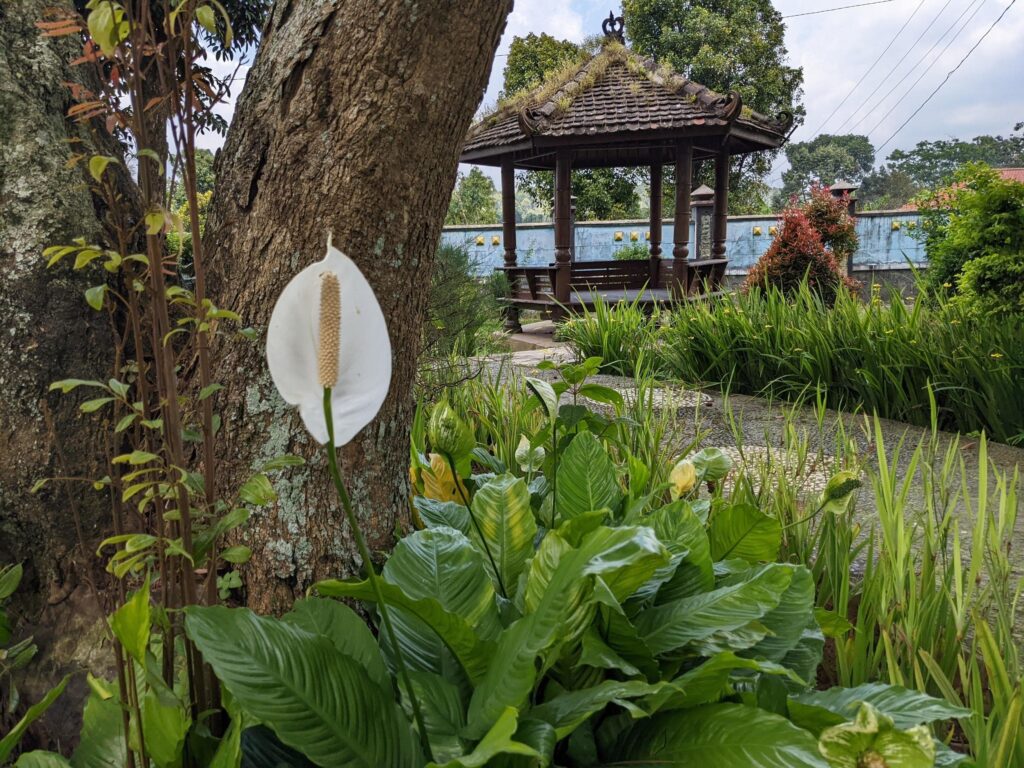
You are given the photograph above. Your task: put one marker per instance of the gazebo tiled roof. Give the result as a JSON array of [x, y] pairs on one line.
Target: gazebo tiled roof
[[625, 108]]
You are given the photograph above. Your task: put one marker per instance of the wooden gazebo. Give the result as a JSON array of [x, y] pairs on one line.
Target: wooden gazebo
[[617, 109]]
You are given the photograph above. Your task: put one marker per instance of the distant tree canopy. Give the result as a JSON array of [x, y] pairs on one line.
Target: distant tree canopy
[[727, 45], [824, 160], [204, 179], [931, 163], [532, 57], [474, 200]]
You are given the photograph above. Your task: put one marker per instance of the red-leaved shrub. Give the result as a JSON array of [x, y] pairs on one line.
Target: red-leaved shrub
[[830, 217], [797, 252]]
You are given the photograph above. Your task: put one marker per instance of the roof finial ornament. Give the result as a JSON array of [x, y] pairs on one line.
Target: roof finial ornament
[[613, 28]]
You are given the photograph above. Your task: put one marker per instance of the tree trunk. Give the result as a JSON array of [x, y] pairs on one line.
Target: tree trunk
[[351, 120], [49, 334]]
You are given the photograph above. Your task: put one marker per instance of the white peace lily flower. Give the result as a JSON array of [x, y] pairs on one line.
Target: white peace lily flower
[[356, 360]]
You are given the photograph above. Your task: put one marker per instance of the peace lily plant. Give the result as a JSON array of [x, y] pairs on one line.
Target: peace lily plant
[[329, 354]]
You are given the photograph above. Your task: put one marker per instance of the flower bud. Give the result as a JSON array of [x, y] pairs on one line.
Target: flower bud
[[448, 434], [683, 478]]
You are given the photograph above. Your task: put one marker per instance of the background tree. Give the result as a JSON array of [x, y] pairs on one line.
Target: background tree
[[530, 58], [474, 201], [727, 45], [204, 179], [931, 163], [358, 134], [825, 160], [886, 189], [601, 193]]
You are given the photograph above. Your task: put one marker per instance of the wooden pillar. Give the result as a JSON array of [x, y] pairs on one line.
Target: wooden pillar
[[655, 225], [563, 227], [681, 225], [719, 220], [508, 232]]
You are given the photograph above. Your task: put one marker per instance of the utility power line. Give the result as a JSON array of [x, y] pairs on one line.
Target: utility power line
[[868, 71], [948, 75], [927, 69], [896, 66], [839, 8]]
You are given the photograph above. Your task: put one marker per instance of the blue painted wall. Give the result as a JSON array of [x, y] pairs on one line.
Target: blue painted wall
[[886, 240]]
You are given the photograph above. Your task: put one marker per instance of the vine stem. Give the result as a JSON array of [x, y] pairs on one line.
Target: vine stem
[[371, 573]]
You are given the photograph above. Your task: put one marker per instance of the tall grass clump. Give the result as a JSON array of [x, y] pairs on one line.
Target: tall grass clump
[[877, 357]]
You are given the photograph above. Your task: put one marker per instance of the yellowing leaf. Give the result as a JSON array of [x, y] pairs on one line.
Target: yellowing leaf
[[154, 222], [438, 482], [98, 164], [207, 18]]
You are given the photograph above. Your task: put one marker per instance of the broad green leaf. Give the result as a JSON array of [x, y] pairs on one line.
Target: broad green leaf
[[208, 390], [711, 464], [155, 221], [832, 624], [443, 714], [10, 577], [871, 739], [257, 490], [586, 479], [709, 682], [131, 623], [38, 759], [91, 406], [545, 394], [817, 710], [262, 749], [788, 620], [316, 699], [528, 458], [595, 652], [742, 530], [237, 554], [165, 727], [567, 711], [473, 652], [805, 658], [98, 163], [66, 385], [346, 631], [94, 296], [497, 741], [107, 28], [671, 625], [504, 528], [207, 18], [719, 736], [682, 532], [602, 394], [447, 514], [603, 553], [13, 736], [283, 461], [102, 738], [442, 565]]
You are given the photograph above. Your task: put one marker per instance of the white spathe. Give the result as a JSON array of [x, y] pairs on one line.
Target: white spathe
[[364, 361]]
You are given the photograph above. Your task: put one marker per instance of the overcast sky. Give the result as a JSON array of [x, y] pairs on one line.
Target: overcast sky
[[836, 49]]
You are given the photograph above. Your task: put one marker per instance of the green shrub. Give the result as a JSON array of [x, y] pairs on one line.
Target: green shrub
[[978, 215], [797, 256], [877, 357], [632, 252], [994, 284], [463, 307]]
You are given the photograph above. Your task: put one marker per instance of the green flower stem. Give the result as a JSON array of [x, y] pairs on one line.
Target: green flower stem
[[476, 525], [371, 573]]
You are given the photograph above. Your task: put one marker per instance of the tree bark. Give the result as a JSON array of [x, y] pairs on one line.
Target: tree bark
[[351, 120], [49, 334]]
